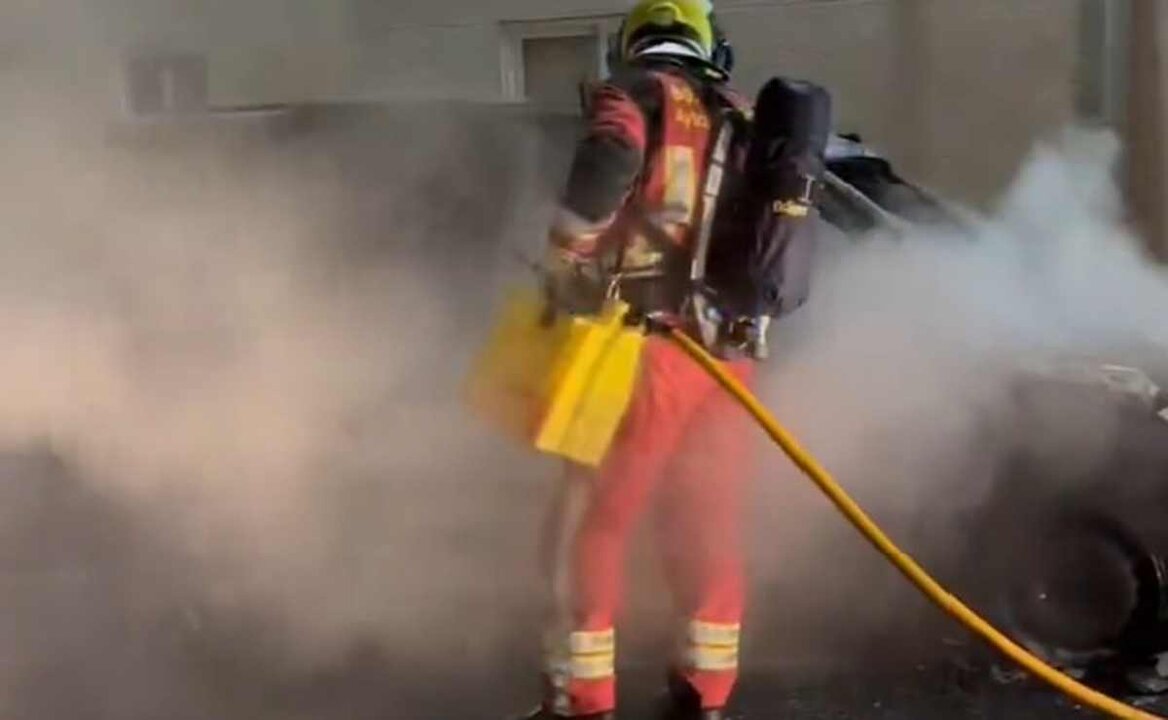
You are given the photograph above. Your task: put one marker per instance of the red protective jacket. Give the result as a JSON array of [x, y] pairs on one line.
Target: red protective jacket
[[634, 194]]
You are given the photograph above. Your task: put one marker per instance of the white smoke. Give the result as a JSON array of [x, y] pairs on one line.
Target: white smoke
[[258, 360], [190, 329], [899, 372]]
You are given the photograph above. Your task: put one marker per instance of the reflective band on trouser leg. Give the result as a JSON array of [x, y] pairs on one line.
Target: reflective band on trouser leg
[[592, 643], [707, 658], [711, 661], [712, 647], [583, 674], [593, 667]]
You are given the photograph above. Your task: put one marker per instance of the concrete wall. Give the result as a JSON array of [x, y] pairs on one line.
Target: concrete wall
[[1147, 112], [257, 50], [985, 80], [850, 47], [955, 90]]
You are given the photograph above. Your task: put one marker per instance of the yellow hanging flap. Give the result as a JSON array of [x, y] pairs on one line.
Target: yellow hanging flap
[[562, 388], [508, 381], [591, 386]]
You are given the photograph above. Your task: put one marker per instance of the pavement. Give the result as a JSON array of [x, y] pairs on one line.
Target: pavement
[[99, 623]]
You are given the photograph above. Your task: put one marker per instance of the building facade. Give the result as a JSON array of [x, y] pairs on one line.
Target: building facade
[[954, 91]]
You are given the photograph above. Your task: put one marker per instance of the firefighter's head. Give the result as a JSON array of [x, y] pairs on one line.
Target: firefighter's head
[[677, 28]]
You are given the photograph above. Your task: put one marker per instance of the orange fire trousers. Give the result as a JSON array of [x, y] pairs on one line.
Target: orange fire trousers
[[685, 446]]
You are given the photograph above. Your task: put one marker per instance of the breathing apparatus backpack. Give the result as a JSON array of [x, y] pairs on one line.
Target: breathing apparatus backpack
[[756, 243]]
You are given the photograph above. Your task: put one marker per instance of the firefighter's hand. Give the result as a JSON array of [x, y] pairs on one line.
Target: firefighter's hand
[[573, 284]]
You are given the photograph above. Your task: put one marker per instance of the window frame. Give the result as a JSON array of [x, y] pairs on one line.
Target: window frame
[[515, 32]]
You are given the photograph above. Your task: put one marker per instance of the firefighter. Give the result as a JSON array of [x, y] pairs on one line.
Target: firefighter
[[631, 201], [632, 210]]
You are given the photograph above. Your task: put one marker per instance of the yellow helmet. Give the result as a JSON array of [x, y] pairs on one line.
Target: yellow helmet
[[690, 23]]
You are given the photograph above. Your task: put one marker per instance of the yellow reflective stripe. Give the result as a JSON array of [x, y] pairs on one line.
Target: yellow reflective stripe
[[588, 643], [716, 634], [580, 656], [640, 256], [711, 658], [593, 667], [580, 667], [713, 646], [791, 209], [681, 182]]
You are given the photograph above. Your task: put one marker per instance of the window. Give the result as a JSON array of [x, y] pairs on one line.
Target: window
[[553, 69], [544, 63]]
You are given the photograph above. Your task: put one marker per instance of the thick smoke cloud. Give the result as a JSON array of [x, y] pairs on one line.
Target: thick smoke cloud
[[242, 342], [244, 339], [901, 374]]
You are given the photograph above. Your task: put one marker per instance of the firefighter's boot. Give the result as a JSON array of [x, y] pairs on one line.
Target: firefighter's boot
[[684, 703]]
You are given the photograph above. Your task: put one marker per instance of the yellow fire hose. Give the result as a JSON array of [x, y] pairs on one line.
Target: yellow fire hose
[[905, 564]]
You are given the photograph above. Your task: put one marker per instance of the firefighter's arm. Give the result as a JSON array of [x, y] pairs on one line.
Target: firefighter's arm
[[607, 161]]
